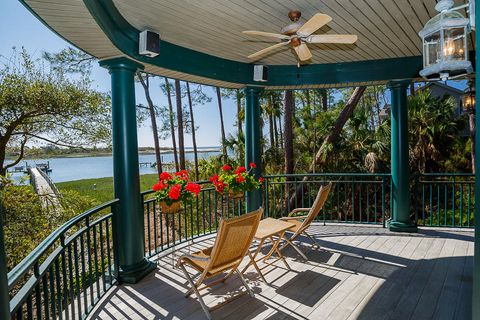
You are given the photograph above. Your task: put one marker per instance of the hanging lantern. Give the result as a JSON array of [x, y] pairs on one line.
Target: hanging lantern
[[468, 98], [445, 47]]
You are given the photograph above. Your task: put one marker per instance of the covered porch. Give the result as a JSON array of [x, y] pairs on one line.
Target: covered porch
[[376, 260]]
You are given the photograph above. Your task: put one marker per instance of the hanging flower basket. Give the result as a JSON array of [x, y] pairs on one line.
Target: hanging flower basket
[[236, 182], [236, 194], [173, 208], [174, 189]]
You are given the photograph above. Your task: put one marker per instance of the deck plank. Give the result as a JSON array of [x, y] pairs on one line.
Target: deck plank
[[361, 272]]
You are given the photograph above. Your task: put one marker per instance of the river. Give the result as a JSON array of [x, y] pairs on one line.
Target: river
[[70, 169]]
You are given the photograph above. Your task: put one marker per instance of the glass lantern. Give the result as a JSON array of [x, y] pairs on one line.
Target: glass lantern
[[445, 49], [468, 98]]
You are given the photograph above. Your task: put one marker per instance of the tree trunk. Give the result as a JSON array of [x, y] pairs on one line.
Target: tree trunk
[[471, 120], [172, 124], [222, 127], [324, 95], [194, 138], [153, 118], [331, 137], [239, 111], [280, 129], [181, 142], [3, 147], [288, 127]]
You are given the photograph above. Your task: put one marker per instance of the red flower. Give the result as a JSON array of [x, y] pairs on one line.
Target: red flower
[[226, 168], [214, 178], [165, 176], [183, 174], [174, 193], [253, 165], [193, 188], [240, 170], [240, 179], [261, 179], [159, 186], [219, 187]]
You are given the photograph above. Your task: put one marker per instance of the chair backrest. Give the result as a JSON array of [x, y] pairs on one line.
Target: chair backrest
[[322, 196], [233, 239]]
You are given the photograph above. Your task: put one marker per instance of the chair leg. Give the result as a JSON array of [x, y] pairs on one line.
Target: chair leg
[[296, 249], [250, 292], [314, 241], [197, 293]]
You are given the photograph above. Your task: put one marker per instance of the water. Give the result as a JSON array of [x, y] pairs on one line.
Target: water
[[70, 169]]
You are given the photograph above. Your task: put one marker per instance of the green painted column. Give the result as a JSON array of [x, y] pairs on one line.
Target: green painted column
[[476, 257], [252, 141], [400, 220], [4, 298], [128, 220]]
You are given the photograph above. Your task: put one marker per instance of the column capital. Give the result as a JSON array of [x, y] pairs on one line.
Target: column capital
[[398, 83], [121, 63], [253, 90]]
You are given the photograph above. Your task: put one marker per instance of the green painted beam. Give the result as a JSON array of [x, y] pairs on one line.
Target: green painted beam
[[125, 37], [252, 141], [128, 220], [400, 220]]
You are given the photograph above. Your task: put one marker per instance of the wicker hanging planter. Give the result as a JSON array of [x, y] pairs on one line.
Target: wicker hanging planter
[[174, 208], [236, 194]]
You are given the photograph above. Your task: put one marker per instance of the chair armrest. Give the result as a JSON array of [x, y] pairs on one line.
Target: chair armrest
[[297, 210], [293, 218]]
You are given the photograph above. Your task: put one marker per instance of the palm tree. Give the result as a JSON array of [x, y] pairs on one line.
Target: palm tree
[[433, 128], [181, 143], [172, 123]]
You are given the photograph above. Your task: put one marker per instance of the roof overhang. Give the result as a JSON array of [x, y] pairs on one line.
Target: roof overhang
[[99, 28]]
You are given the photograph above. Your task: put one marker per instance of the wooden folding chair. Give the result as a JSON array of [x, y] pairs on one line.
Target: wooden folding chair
[[303, 222], [233, 240]]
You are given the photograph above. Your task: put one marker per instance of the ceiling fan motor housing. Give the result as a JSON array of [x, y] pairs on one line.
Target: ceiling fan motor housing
[[294, 15]]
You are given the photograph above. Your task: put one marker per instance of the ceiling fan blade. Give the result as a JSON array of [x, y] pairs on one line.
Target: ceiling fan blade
[[315, 23], [303, 52], [267, 34], [268, 49], [332, 38]]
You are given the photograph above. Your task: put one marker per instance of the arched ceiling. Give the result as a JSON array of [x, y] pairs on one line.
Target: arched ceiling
[[202, 40]]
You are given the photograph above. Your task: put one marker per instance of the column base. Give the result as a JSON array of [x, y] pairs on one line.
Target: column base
[[133, 274], [398, 226]]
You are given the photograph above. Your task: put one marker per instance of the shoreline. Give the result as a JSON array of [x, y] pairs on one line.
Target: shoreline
[[107, 154]]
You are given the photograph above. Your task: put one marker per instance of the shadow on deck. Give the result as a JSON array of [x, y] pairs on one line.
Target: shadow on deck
[[361, 272]]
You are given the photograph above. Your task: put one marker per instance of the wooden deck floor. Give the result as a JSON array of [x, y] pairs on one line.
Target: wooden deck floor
[[361, 272]]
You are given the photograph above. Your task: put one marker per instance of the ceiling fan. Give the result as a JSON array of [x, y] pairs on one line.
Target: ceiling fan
[[298, 34]]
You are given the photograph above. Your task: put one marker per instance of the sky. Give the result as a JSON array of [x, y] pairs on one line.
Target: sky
[[18, 27]]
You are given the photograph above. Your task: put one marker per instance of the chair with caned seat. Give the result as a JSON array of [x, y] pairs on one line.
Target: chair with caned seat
[[233, 240], [304, 221]]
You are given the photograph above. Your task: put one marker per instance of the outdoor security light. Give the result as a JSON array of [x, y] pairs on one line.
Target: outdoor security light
[[445, 45], [468, 98]]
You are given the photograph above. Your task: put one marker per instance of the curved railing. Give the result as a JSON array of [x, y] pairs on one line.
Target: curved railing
[[445, 199], [354, 198], [69, 271]]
